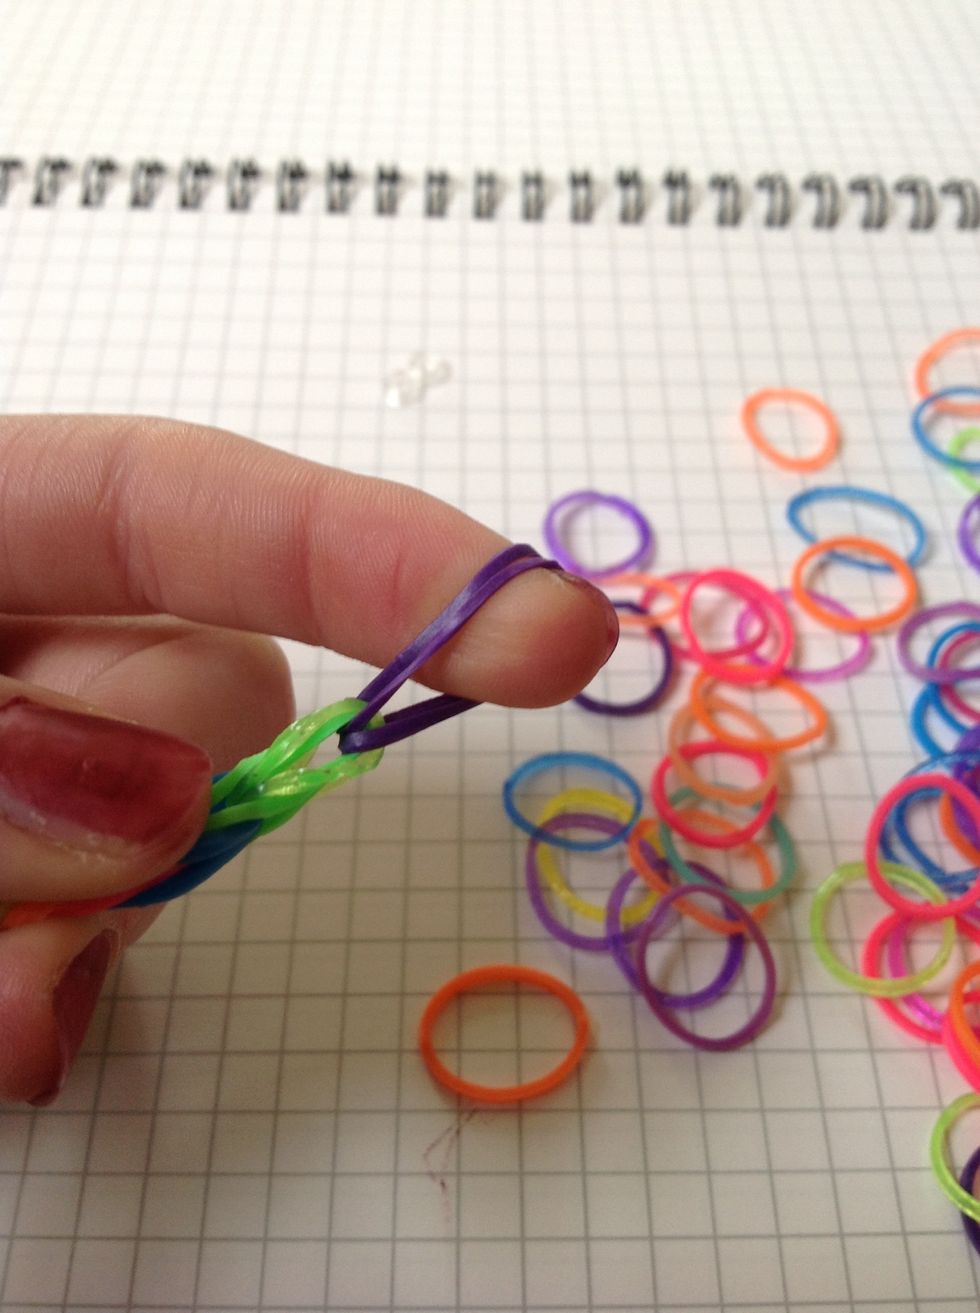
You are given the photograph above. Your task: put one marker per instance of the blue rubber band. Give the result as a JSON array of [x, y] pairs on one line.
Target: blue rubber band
[[851, 492], [925, 701], [213, 850], [927, 444], [550, 760], [951, 881]]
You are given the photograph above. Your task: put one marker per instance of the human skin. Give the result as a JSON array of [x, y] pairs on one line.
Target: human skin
[[142, 563]]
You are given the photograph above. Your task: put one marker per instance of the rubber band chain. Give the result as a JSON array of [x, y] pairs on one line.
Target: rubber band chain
[[266, 790]]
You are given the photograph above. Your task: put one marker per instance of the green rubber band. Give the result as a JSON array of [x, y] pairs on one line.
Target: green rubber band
[[891, 987], [748, 897], [960, 440], [939, 1155], [273, 785]]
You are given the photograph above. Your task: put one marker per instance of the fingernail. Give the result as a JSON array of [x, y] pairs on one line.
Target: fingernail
[[73, 1002], [91, 782], [599, 598]]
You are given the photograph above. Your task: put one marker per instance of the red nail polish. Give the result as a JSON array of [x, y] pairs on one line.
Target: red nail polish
[[92, 782], [73, 1003]]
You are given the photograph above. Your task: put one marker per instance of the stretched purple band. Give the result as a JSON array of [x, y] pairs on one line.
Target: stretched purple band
[[653, 996], [559, 549], [699, 998], [358, 737], [965, 532], [649, 700], [930, 674]]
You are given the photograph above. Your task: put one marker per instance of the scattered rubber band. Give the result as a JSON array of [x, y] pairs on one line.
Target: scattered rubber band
[[654, 997], [851, 492], [957, 443], [704, 699], [939, 1154], [940, 402], [649, 700], [856, 624], [682, 719], [651, 586], [502, 974], [968, 1183], [584, 760], [792, 396], [877, 986], [747, 588], [577, 501], [685, 871], [929, 673], [966, 532], [932, 355], [648, 830], [851, 665], [910, 784], [675, 818]]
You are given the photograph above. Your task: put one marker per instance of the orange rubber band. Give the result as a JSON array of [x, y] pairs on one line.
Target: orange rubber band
[[806, 399], [854, 624], [502, 974], [703, 699], [947, 818], [931, 357], [651, 585], [958, 999], [646, 830], [685, 771]]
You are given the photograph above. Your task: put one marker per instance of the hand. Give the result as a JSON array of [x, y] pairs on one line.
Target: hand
[[141, 561]]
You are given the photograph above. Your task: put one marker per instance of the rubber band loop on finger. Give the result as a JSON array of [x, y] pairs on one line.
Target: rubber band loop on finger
[[502, 974], [855, 624], [791, 396]]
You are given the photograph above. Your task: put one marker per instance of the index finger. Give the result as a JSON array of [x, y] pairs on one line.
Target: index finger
[[117, 515]]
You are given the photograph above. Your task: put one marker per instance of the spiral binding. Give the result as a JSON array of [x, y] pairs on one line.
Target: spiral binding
[[912, 200]]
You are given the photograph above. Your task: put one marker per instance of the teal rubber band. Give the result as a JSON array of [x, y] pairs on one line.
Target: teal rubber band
[[748, 897]]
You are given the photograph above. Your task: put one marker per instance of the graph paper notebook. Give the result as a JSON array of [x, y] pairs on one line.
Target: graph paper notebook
[[613, 222]]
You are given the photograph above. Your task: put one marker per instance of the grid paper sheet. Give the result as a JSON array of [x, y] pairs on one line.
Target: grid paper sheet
[[250, 1126]]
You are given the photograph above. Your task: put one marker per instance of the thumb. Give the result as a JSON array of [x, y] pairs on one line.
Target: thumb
[[90, 805]]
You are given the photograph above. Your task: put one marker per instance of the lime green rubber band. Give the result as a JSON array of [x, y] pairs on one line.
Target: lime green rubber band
[[748, 897], [960, 440], [939, 1155], [273, 785], [893, 986]]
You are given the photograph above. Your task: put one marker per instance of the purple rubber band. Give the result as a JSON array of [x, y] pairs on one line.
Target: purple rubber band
[[649, 700], [575, 501], [928, 674], [843, 670], [734, 951], [968, 774], [965, 533], [652, 995], [968, 1182], [506, 565], [589, 943]]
